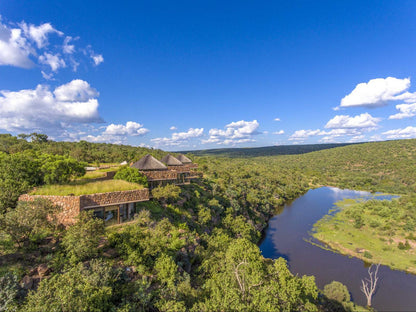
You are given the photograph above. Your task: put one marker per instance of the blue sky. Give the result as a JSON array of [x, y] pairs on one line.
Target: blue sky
[[209, 74]]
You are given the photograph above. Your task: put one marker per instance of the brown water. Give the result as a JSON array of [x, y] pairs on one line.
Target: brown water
[[285, 237]]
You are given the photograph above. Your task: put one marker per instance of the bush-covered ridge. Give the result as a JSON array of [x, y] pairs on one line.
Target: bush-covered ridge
[[194, 248]]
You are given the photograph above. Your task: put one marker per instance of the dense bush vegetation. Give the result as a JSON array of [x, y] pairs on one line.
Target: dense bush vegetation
[[130, 174], [193, 248]]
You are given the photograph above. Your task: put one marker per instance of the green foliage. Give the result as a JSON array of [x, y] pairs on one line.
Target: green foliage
[[61, 169], [81, 288], [9, 289], [168, 192], [130, 174], [337, 291], [28, 220], [81, 239], [367, 255]]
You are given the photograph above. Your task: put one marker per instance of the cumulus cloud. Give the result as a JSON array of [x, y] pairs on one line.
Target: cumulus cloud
[[404, 133], [39, 34], [25, 45], [14, 48], [131, 128], [98, 59], [173, 128], [406, 111], [236, 132], [301, 135], [68, 48], [54, 61], [346, 122], [277, 119], [41, 108], [117, 134], [279, 132], [378, 92], [179, 138]]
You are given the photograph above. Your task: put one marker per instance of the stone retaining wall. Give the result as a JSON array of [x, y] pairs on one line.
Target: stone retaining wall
[[70, 204], [106, 199], [160, 175]]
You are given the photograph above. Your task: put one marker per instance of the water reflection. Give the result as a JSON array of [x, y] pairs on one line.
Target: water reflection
[[286, 235]]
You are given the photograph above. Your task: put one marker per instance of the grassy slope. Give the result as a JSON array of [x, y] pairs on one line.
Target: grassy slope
[[266, 150], [370, 242], [86, 188]]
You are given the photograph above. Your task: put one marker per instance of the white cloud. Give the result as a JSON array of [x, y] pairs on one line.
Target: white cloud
[[76, 90], [406, 133], [301, 135], [54, 61], [25, 45], [14, 49], [346, 122], [236, 132], [43, 109], [406, 111], [378, 92], [277, 119], [68, 48], [179, 138], [117, 134], [98, 59], [279, 132], [40, 33], [173, 128], [131, 129]]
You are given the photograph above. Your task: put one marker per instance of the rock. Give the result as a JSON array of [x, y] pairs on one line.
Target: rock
[[43, 270], [27, 282], [110, 253]]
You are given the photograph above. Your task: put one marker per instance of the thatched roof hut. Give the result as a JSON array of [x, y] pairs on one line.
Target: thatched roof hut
[[148, 162], [169, 160], [183, 159]]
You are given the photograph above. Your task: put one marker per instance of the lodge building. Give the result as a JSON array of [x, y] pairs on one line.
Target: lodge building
[[121, 206]]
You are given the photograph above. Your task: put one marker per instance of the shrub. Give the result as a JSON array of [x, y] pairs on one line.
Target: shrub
[[8, 292], [29, 219], [81, 240], [131, 175], [337, 291], [82, 288], [368, 255]]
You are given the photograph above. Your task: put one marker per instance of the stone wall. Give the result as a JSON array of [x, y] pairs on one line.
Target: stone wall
[[70, 204], [160, 175], [113, 198], [179, 168]]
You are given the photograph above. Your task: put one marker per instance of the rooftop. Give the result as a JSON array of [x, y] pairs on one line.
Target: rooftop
[[78, 187]]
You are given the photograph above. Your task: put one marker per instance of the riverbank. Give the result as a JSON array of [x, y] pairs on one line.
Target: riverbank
[[374, 231]]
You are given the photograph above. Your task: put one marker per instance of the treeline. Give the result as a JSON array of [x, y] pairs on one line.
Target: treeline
[[266, 150], [192, 248], [81, 151]]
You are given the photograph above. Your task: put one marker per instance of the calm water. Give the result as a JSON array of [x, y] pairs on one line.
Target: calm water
[[285, 238]]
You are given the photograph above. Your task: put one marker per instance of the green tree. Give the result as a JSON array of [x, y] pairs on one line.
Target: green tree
[[61, 169], [166, 193], [29, 219], [81, 240], [82, 288], [131, 175], [9, 289]]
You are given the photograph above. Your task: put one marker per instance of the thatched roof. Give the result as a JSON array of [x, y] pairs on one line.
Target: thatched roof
[[148, 162], [171, 161], [183, 159]]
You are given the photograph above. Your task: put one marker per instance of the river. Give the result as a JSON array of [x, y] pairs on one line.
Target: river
[[285, 237]]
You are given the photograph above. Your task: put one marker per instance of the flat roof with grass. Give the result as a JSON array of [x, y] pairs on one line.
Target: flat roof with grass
[[80, 187]]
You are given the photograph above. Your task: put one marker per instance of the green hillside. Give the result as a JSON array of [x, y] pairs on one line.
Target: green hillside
[[266, 150]]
